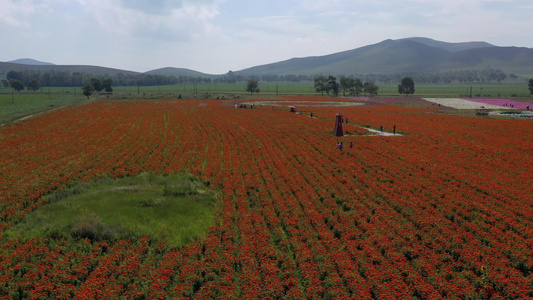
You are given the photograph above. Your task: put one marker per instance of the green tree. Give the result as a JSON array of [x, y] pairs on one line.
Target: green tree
[[5, 83], [320, 84], [530, 86], [88, 89], [407, 86], [34, 85], [357, 87], [252, 86], [17, 85], [332, 86], [106, 85], [97, 85], [346, 84], [371, 89]]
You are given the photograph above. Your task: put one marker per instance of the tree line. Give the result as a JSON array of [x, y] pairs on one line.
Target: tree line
[[464, 76], [54, 78], [77, 79], [350, 85]]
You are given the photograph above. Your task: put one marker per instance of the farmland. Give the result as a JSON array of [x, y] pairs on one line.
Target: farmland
[[15, 105], [442, 211]]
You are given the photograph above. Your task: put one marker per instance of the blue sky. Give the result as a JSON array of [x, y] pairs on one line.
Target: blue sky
[[215, 36]]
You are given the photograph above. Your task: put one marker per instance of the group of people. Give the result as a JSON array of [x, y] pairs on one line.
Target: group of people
[[340, 145], [393, 129], [511, 105]]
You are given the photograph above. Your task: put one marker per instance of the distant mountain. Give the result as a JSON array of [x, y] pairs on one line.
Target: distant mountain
[[29, 61], [417, 54], [5, 67], [403, 56], [452, 47], [179, 72]]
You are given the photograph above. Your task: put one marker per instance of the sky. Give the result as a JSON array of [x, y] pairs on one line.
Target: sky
[[216, 36]]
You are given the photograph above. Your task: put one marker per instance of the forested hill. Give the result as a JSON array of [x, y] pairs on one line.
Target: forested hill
[[411, 55], [5, 67], [76, 76], [180, 72], [426, 60]]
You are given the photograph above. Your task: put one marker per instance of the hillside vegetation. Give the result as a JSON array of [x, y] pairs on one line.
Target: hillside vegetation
[[407, 56], [410, 55]]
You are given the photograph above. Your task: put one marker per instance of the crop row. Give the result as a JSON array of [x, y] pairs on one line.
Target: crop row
[[443, 211]]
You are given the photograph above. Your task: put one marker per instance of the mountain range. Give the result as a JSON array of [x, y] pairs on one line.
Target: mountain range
[[31, 65], [408, 55]]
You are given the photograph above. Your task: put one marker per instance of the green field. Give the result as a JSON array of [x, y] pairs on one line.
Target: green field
[[15, 105], [175, 209], [218, 89], [493, 90]]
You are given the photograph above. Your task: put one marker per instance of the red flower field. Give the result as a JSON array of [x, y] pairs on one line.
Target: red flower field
[[443, 211]]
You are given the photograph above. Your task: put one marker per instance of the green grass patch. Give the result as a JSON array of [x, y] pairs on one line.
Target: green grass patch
[[269, 89], [210, 91], [15, 105], [174, 209]]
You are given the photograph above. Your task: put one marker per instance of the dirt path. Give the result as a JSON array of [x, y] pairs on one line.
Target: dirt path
[[378, 132], [375, 132]]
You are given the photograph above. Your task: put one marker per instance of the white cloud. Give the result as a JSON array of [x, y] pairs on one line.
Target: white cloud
[[166, 20], [282, 26], [15, 13], [218, 35]]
